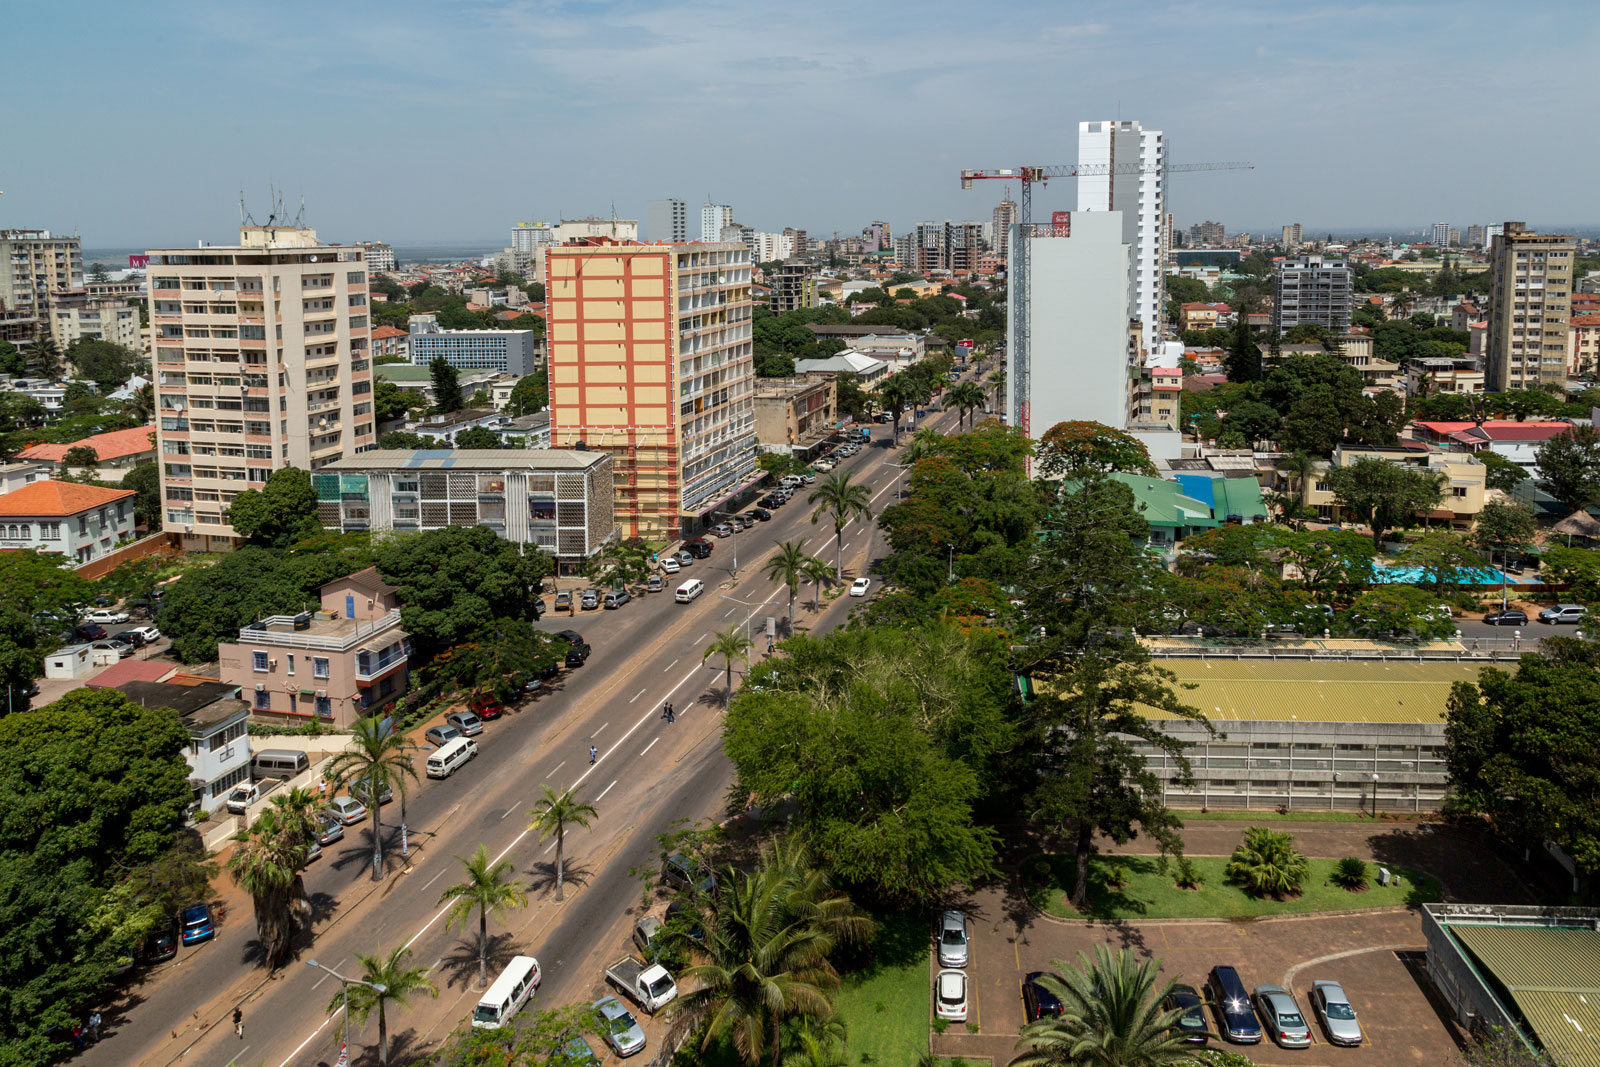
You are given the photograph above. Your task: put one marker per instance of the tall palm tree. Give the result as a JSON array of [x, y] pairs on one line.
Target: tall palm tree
[[400, 983], [818, 573], [966, 397], [489, 888], [730, 644], [380, 759], [925, 442], [1302, 470], [267, 862], [788, 567], [141, 406], [894, 395], [1401, 304], [46, 354], [845, 499], [1111, 1016], [997, 382], [553, 814]]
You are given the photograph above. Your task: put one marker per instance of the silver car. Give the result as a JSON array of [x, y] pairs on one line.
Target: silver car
[[1280, 1016], [620, 1029], [953, 939], [1333, 1008]]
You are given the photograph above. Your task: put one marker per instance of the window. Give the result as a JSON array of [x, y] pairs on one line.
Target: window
[[258, 660], [263, 700], [324, 708], [319, 667], [291, 662]]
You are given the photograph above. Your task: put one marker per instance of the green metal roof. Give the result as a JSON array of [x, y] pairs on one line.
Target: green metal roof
[[1318, 690], [1240, 496], [1164, 504], [402, 372], [1553, 977]]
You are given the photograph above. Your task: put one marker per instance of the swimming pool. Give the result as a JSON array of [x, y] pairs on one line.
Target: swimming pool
[[1416, 575]]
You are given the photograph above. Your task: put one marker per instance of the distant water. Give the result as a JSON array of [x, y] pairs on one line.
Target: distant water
[[117, 258]]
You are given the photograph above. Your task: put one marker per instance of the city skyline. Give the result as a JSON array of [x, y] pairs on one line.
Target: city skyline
[[608, 85]]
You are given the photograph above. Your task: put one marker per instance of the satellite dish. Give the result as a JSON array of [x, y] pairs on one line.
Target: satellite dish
[[313, 259]]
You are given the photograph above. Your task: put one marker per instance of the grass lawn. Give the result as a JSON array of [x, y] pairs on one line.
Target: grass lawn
[[1245, 815], [1150, 894]]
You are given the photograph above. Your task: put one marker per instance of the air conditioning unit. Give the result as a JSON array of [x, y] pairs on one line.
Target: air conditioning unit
[[322, 692], [261, 687], [272, 664]]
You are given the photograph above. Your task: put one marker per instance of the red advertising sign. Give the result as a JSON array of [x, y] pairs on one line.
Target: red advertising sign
[[1061, 223], [138, 261]]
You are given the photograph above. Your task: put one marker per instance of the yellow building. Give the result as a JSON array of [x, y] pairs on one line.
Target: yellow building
[[1463, 481]]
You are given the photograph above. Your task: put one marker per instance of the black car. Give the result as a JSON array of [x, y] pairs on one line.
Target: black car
[[163, 944], [1192, 1023], [132, 637], [1037, 1001], [90, 631], [1236, 1017], [771, 501], [758, 514], [699, 547], [1509, 617], [577, 652]]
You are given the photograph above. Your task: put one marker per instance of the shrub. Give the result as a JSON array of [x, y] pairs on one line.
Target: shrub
[[1187, 875], [1118, 876], [1267, 863], [1350, 873]]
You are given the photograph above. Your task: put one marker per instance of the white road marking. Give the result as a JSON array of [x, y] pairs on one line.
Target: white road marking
[[557, 767], [597, 729], [730, 611], [326, 975], [607, 789], [651, 745], [511, 809], [637, 695], [435, 878], [669, 666]]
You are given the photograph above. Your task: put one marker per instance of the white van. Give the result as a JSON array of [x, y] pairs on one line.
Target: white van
[[443, 761], [508, 994], [690, 590], [279, 763]]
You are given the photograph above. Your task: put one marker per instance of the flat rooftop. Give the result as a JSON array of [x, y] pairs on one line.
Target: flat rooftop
[[471, 459], [1318, 690]]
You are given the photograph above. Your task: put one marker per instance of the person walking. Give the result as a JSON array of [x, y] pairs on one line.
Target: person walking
[[670, 716], [594, 753], [77, 1034], [238, 1023], [94, 1026]]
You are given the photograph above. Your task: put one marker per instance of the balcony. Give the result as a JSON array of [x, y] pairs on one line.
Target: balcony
[[316, 630], [371, 664]]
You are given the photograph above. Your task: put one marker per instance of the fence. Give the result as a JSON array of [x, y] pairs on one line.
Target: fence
[[163, 544], [1462, 649]]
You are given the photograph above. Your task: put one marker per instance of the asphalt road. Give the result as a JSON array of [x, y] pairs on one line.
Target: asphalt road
[[648, 776]]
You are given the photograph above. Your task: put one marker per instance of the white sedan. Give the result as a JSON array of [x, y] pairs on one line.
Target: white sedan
[[107, 616], [670, 565], [860, 586], [950, 995]]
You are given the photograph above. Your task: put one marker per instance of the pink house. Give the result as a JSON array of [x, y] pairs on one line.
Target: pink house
[[336, 664]]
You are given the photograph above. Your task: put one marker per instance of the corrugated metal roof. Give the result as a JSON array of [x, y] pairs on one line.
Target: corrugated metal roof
[[1318, 690], [1553, 976]]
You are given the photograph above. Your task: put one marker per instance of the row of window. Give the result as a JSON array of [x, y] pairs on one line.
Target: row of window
[[23, 531], [261, 662]]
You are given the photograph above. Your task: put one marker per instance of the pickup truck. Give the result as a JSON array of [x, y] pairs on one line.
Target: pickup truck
[[241, 797], [647, 985]]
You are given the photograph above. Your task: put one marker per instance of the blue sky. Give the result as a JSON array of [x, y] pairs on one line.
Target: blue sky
[[449, 121]]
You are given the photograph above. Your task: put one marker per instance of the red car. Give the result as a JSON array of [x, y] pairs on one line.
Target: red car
[[486, 706]]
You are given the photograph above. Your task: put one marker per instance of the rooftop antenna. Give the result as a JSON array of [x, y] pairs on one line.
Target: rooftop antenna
[[245, 219], [300, 219]]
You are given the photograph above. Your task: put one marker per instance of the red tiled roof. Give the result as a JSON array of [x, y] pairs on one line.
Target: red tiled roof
[[114, 445], [385, 332], [53, 499], [130, 670], [1586, 320]]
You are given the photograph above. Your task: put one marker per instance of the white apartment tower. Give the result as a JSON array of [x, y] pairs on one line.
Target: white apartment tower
[[1005, 216], [34, 266], [713, 217], [667, 220], [1138, 193], [261, 362]]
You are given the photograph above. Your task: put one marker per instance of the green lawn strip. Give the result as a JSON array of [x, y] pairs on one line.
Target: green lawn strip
[[965, 1061], [1244, 815], [1149, 894]]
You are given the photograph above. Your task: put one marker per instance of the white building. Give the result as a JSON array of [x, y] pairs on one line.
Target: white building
[[512, 351], [529, 237], [713, 217], [219, 741], [577, 229], [667, 220], [79, 522], [380, 256], [1139, 198], [766, 247]]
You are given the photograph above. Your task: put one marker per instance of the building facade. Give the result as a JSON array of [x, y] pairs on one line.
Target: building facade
[[78, 522], [650, 358], [35, 265], [1311, 290], [262, 361], [77, 316], [593, 226], [713, 217], [217, 721], [794, 286], [378, 255], [511, 351], [667, 220], [559, 501], [1530, 304], [796, 415], [116, 452], [948, 246], [1463, 481], [1140, 198], [1292, 236], [1005, 217]]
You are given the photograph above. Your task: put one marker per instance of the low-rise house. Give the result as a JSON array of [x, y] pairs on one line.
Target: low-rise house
[[526, 431], [219, 738], [867, 370], [118, 452], [390, 341], [1463, 480], [80, 522], [795, 415], [1444, 374], [18, 473], [1517, 441], [447, 427]]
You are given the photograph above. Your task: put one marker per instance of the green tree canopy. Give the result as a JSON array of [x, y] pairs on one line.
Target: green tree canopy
[[105, 363], [478, 437], [1504, 527], [1568, 467], [280, 513], [1502, 474], [390, 402], [529, 396], [446, 385], [1072, 449], [1383, 495]]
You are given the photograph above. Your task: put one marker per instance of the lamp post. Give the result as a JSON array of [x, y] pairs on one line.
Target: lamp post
[[345, 984], [747, 618]]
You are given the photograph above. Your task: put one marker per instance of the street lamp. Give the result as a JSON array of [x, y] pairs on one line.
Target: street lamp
[[747, 618], [345, 984], [734, 526]]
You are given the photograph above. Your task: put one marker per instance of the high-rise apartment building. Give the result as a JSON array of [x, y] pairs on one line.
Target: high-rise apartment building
[[1140, 197], [713, 217], [1311, 290], [262, 361], [793, 287], [876, 237], [1530, 309], [379, 256], [1005, 217], [667, 220], [528, 237], [1292, 236], [1476, 238], [951, 246], [34, 266], [1202, 234], [1453, 240], [1439, 235], [799, 241], [1490, 232], [650, 358]]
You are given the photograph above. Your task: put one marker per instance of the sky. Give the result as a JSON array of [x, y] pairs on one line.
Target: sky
[[448, 121]]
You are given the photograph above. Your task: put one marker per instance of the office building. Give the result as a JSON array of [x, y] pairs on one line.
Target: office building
[[512, 351], [767, 247], [650, 359], [529, 237], [1439, 235], [559, 501], [793, 287], [1311, 290], [34, 266], [1203, 234], [796, 415], [1291, 237], [379, 256], [1476, 237], [667, 220], [262, 361], [1530, 305], [713, 217], [1005, 217], [1140, 199]]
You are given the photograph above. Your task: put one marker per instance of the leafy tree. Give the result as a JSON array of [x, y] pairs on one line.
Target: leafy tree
[[1072, 449], [455, 582], [11, 361], [488, 888], [378, 758], [402, 439], [1396, 610], [965, 398], [399, 983], [478, 437], [1443, 559], [280, 513], [842, 499], [1111, 1016], [1568, 467], [141, 406], [390, 402], [895, 394], [1329, 560], [1268, 864], [530, 395], [852, 399], [788, 565], [1504, 526], [45, 356], [1577, 567], [731, 644], [540, 1037], [80, 456], [1503, 474], [446, 385], [1383, 495], [105, 363], [40, 596], [551, 817], [1521, 753], [1243, 360]]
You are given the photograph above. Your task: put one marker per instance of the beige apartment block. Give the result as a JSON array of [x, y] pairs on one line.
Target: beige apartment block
[[796, 415], [77, 317], [1530, 305], [650, 359], [35, 265], [262, 361], [1464, 480]]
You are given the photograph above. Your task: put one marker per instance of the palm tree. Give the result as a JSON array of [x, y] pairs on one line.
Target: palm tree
[[1401, 304], [1302, 470], [47, 355], [1268, 864], [818, 573], [731, 644], [400, 983], [489, 888], [1111, 1016], [997, 382], [267, 864], [141, 406], [967, 397], [845, 499], [380, 759], [788, 567], [554, 814], [925, 442], [894, 394]]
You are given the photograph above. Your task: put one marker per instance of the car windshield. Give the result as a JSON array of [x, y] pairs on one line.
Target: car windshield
[[194, 917], [955, 936], [485, 1014], [622, 1023], [1193, 1019], [659, 987], [1336, 1010]]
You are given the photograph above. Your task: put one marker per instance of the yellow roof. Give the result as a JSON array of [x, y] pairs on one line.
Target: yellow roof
[[1553, 975], [1319, 690]]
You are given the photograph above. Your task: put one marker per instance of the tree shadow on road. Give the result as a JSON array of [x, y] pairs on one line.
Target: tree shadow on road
[[460, 964], [542, 875], [404, 1047]]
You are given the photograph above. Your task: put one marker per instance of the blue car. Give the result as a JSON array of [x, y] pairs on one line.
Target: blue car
[[197, 925]]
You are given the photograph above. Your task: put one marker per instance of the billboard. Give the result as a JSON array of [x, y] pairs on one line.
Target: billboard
[[139, 261]]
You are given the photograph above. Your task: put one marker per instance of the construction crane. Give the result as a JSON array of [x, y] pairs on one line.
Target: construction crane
[[1017, 282]]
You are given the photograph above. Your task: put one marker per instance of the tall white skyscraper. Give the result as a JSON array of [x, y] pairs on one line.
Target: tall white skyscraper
[[1139, 195], [713, 217], [1439, 234], [667, 220]]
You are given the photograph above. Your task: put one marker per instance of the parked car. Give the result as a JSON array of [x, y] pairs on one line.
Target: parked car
[[577, 652], [684, 558], [163, 944], [619, 1028], [591, 599], [111, 644], [1333, 1008], [953, 939], [1563, 613], [242, 797], [1192, 1023], [197, 925], [465, 721], [348, 810], [950, 995], [860, 586], [684, 872], [759, 515], [655, 583], [698, 547], [486, 706], [772, 500], [1037, 1001], [616, 598], [150, 633], [722, 529], [107, 617], [1281, 1016], [1509, 617], [358, 789], [329, 828], [90, 631], [132, 637], [438, 735], [1236, 1019], [564, 600], [823, 465]]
